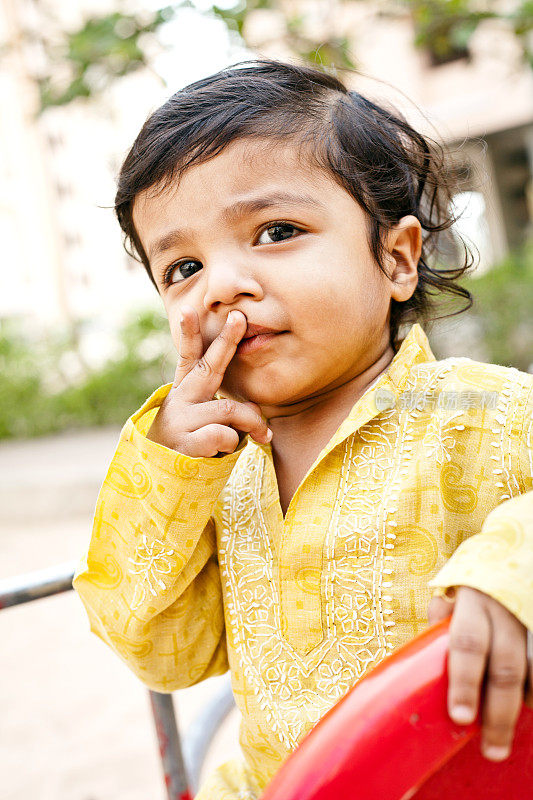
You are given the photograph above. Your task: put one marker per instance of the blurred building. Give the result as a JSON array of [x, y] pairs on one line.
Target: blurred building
[[62, 256]]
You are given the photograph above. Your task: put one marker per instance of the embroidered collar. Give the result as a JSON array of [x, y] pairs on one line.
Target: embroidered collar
[[415, 349], [383, 393]]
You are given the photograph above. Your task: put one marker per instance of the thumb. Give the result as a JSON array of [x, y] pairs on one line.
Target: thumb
[[439, 609]]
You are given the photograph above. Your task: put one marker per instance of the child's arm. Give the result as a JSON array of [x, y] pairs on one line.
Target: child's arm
[[492, 573], [150, 580], [499, 559]]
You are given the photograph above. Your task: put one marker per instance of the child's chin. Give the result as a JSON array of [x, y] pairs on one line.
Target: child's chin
[[260, 398]]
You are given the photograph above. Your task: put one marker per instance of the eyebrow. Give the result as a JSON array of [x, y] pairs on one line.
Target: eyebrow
[[237, 210]]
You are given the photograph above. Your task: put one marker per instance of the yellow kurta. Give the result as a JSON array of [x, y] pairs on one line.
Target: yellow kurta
[[192, 569]]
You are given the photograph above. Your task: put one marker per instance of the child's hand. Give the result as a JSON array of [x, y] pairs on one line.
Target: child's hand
[[484, 635], [189, 420]]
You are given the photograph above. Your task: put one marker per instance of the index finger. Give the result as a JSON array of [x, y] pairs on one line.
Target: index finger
[[190, 348], [505, 686], [202, 381], [467, 657]]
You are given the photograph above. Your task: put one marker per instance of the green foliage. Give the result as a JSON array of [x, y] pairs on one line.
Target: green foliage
[[503, 299], [521, 20], [235, 16], [104, 48], [326, 52], [333, 53], [31, 406], [21, 383], [109, 46], [444, 27]]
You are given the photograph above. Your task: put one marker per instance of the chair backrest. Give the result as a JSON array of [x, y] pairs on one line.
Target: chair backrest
[[391, 737]]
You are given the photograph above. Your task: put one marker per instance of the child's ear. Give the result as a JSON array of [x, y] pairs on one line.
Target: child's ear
[[404, 246]]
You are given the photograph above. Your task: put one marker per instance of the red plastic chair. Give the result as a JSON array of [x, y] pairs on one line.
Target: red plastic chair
[[391, 738]]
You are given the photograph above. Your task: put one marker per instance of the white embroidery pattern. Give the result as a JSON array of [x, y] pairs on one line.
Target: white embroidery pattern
[[295, 690], [150, 560], [356, 554], [502, 442], [439, 441]]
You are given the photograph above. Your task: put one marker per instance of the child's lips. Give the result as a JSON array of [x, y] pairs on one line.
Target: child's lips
[[254, 330], [253, 343]]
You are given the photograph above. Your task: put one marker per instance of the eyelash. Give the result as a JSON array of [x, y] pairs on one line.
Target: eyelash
[[168, 272]]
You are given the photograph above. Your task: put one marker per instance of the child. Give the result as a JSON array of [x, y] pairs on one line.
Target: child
[[286, 506]]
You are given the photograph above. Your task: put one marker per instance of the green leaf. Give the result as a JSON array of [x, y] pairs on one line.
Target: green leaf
[[112, 43]]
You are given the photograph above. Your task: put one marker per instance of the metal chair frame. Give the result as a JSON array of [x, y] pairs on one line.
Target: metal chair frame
[[181, 759]]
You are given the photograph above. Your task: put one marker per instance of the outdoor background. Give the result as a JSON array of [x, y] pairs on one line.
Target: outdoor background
[[83, 338]]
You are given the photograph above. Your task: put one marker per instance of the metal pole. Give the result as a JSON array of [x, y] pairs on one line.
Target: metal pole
[[52, 580], [170, 746], [201, 732], [34, 585]]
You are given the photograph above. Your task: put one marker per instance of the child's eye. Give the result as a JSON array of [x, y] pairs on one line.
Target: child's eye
[[278, 232], [181, 270], [174, 273]]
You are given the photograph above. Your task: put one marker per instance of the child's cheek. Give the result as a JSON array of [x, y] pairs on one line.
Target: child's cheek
[[227, 387]]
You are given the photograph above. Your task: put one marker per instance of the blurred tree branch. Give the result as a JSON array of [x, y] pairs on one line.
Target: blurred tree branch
[[103, 49], [82, 63], [445, 27], [326, 50]]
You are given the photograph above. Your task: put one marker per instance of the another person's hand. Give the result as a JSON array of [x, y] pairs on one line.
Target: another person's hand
[[189, 420], [485, 638]]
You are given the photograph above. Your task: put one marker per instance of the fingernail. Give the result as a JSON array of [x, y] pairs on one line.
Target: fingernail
[[462, 715], [269, 435], [496, 753]]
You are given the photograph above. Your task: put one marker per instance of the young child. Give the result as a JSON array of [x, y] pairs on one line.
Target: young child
[[287, 507]]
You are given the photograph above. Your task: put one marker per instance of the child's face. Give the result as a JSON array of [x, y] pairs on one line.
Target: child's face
[[314, 277]]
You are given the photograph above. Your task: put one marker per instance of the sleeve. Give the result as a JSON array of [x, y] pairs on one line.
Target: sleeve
[[499, 559], [150, 580]]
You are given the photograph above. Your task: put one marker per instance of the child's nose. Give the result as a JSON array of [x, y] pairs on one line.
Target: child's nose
[[226, 279]]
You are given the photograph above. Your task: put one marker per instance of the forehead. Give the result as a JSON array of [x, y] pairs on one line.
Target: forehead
[[243, 167]]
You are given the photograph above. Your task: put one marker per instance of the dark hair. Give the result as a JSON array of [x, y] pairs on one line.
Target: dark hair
[[389, 168]]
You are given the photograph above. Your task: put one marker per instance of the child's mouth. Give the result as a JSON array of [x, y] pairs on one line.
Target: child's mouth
[[254, 343]]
